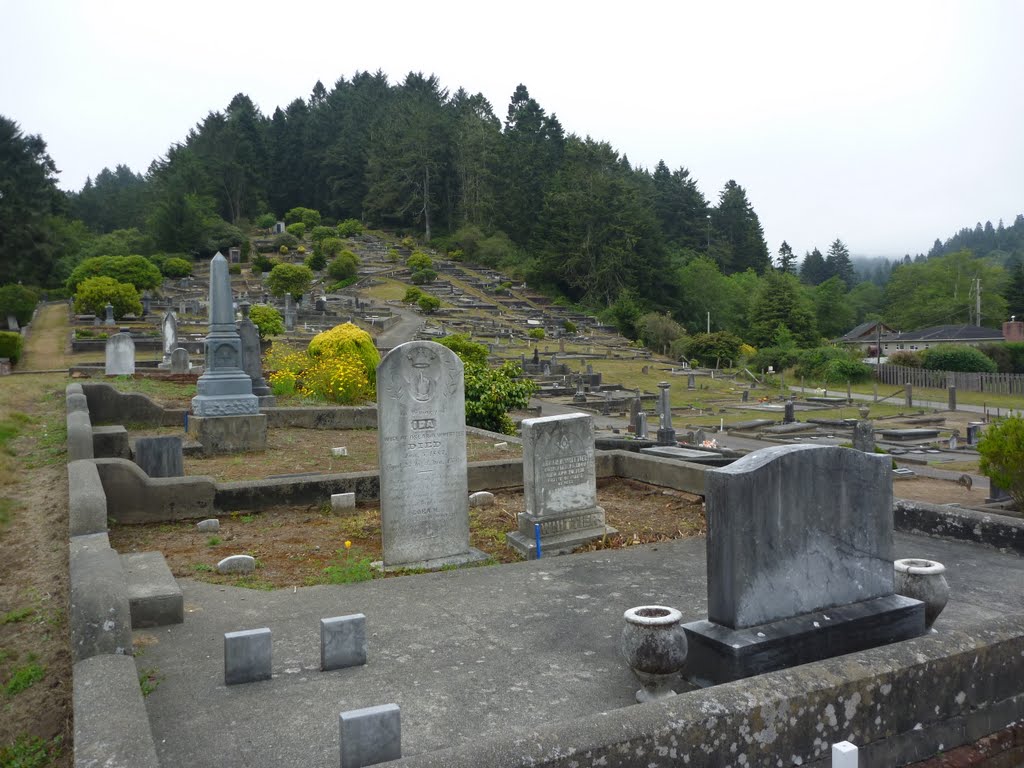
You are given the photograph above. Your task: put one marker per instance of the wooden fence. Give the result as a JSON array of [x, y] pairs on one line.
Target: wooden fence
[[996, 383]]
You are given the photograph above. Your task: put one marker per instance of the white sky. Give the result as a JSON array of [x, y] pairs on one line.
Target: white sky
[[884, 123]]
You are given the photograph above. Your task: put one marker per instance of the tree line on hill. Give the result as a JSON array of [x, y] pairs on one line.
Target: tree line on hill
[[568, 214]]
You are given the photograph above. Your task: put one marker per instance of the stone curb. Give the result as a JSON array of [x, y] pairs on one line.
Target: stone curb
[[946, 522]]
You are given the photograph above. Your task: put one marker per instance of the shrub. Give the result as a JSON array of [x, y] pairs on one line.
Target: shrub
[[408, 242], [419, 261], [19, 301], [266, 220], [1008, 356], [316, 261], [714, 348], [341, 366], [492, 392], [319, 234], [906, 358], [307, 216], [94, 293], [285, 238], [467, 350], [176, 267], [289, 278], [658, 330], [135, 270], [332, 246], [346, 339], [283, 250], [268, 321], [1002, 456], [423, 276], [537, 334], [344, 266], [301, 249], [412, 295], [262, 263], [350, 228], [234, 269], [833, 365], [956, 357], [777, 358], [11, 345], [570, 326], [298, 229], [428, 303]]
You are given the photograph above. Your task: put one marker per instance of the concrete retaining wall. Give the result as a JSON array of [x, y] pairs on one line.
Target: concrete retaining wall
[[107, 405], [357, 417], [87, 502], [111, 724], [974, 683], [100, 618], [135, 497], [962, 524]]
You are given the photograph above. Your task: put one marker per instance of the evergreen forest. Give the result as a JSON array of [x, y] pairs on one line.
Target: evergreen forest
[[512, 190]]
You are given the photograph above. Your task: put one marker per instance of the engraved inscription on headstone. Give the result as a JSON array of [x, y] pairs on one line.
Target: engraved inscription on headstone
[[559, 486], [421, 439]]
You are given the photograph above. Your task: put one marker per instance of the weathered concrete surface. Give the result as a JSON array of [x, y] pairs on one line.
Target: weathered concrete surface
[[108, 405], [946, 522], [79, 428], [110, 442], [356, 417], [154, 597], [87, 502], [499, 665], [111, 727], [133, 497], [229, 434], [99, 615]]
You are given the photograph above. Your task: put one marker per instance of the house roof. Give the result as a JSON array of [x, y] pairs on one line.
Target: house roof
[[863, 330], [947, 333]]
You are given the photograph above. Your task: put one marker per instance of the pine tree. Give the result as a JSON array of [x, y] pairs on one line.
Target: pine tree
[[813, 270], [838, 264], [787, 259]]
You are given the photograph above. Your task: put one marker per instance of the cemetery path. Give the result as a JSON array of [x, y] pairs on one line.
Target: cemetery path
[[404, 331], [46, 344]]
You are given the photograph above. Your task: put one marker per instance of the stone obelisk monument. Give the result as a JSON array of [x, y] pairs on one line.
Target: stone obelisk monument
[[225, 413]]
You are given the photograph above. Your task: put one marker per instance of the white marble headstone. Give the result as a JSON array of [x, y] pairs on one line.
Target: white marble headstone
[[120, 357]]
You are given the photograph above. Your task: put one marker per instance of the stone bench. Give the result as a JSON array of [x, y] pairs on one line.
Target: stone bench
[[154, 597]]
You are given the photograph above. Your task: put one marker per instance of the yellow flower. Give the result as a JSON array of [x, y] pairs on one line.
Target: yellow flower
[[348, 544]]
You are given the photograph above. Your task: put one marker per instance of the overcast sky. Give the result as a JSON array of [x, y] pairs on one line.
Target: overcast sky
[[886, 124]]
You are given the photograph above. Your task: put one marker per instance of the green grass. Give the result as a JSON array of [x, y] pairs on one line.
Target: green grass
[[254, 582], [30, 752], [24, 677], [348, 568], [7, 509], [203, 568], [15, 615], [213, 541], [993, 401], [149, 680]]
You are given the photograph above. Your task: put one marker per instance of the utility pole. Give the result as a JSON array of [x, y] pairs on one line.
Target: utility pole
[[977, 301], [709, 321]]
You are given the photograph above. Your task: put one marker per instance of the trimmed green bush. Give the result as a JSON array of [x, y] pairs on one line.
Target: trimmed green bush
[[350, 228], [136, 270], [428, 303], [11, 345], [266, 220], [316, 261], [957, 357], [467, 350], [1008, 356], [344, 266], [298, 229], [19, 301], [268, 321], [1002, 456], [833, 365], [94, 293], [176, 267]]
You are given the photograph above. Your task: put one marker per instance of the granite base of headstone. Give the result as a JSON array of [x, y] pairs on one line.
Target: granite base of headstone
[[120, 355], [160, 456], [559, 487], [864, 436], [800, 563], [229, 434], [421, 441]]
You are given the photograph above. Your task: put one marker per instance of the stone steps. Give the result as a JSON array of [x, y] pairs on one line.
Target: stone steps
[[154, 597]]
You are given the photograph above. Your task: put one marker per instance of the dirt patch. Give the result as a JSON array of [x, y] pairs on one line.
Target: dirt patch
[[303, 546], [938, 491]]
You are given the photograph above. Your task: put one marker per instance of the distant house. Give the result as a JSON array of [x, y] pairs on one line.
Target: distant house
[[969, 335], [865, 336]]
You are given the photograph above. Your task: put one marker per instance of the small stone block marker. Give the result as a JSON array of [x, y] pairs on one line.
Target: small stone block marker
[[342, 451], [370, 736], [481, 499], [246, 656], [340, 501], [343, 642], [208, 526], [237, 564]]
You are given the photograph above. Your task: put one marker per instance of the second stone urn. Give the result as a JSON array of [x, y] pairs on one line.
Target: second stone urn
[[923, 580], [654, 646]]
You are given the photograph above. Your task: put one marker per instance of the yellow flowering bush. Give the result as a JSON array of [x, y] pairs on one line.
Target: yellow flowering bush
[[339, 365], [347, 340]]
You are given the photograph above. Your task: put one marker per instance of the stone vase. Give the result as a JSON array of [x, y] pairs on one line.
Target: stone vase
[[654, 646], [923, 580]]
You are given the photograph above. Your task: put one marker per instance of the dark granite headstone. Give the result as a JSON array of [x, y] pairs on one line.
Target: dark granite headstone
[[864, 436], [789, 414], [160, 456], [800, 563], [251, 353]]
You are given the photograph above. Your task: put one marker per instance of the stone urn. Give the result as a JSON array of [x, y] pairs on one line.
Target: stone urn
[[654, 646], [923, 580]]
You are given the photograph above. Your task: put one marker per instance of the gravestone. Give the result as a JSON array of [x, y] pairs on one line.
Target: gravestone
[[290, 313], [12, 323], [247, 656], [179, 361], [641, 425], [169, 333], [370, 736], [343, 642], [951, 394], [120, 355], [252, 363], [800, 563], [559, 486], [691, 381], [160, 456], [864, 436], [666, 434], [421, 439], [234, 254], [109, 319], [789, 413], [226, 412]]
